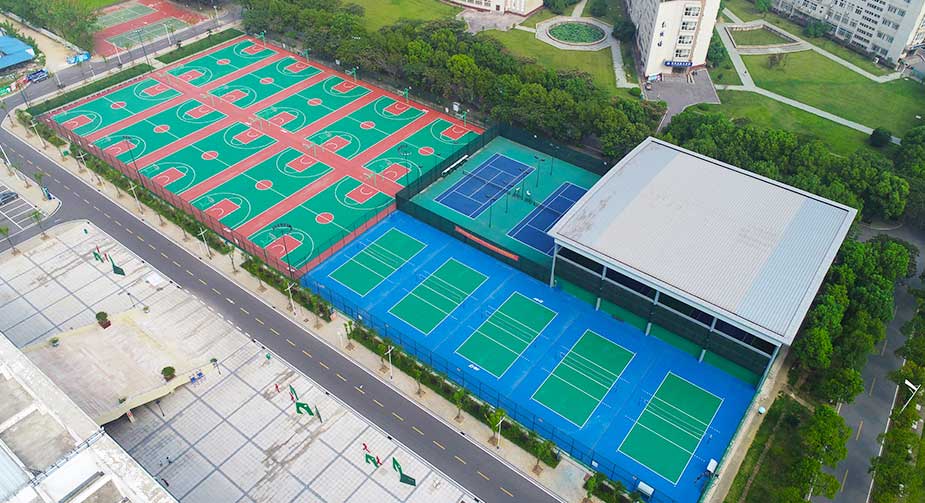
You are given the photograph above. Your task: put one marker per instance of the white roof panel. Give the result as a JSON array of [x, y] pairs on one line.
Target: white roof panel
[[734, 243]]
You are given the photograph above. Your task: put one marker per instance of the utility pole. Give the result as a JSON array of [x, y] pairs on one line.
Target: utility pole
[[202, 239]]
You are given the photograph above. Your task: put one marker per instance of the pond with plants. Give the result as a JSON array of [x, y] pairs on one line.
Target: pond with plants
[[576, 32]]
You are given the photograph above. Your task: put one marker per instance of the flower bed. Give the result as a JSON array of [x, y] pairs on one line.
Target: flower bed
[[576, 33]]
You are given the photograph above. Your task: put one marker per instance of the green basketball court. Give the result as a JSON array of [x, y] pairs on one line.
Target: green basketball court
[[419, 153], [438, 295], [671, 427], [583, 377], [259, 188], [265, 82], [365, 127], [158, 130], [373, 264], [506, 334], [118, 105], [216, 65], [207, 157], [308, 105], [319, 223]]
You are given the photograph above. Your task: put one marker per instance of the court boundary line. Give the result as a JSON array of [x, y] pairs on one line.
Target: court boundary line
[[447, 315], [601, 400], [423, 247], [479, 328], [692, 453], [522, 225], [471, 174]]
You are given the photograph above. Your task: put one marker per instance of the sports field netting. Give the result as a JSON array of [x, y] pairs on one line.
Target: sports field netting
[[265, 82], [118, 105], [578, 384], [226, 132], [350, 136], [146, 33], [206, 158], [379, 260], [506, 334], [159, 130], [405, 162], [218, 64], [122, 15], [260, 188], [532, 230], [676, 419], [308, 105], [438, 295]]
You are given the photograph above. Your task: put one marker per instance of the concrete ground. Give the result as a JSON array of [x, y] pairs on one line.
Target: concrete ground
[[230, 436], [681, 92], [478, 20]]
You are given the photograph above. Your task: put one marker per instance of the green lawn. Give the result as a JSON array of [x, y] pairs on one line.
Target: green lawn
[[783, 454], [541, 15], [599, 63], [815, 80], [758, 37], [629, 62], [381, 13], [97, 4], [747, 12], [723, 72], [764, 112]]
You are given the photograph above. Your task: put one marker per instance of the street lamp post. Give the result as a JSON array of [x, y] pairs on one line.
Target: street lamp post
[[389, 354], [142, 44], [915, 390], [202, 241]]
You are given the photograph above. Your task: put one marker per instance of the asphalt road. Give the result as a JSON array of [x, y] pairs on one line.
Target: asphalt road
[[867, 416], [443, 446]]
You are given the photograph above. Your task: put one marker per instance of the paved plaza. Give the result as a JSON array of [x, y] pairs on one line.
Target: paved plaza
[[231, 436]]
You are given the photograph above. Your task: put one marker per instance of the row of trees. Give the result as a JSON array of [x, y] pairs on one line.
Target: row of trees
[[72, 19], [895, 470], [440, 59], [910, 163], [850, 316]]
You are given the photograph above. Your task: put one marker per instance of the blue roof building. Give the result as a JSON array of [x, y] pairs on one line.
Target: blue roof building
[[13, 52]]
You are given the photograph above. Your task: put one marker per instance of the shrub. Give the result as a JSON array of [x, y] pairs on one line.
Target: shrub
[[880, 137], [89, 89], [624, 30], [102, 316], [635, 91], [168, 373], [816, 29], [598, 8], [300, 295], [199, 45]]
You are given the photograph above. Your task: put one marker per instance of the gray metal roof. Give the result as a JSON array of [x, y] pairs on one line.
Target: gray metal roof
[[12, 476], [738, 245]]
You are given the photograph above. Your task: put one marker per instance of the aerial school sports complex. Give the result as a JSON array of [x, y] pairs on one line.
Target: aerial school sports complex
[[659, 290]]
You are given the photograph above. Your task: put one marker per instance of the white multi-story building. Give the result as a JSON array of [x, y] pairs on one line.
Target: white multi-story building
[[520, 7], [887, 29], [673, 35]]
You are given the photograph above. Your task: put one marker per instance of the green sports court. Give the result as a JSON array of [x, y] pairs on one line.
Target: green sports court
[[506, 333], [285, 153], [584, 376], [375, 263], [438, 295], [675, 420]]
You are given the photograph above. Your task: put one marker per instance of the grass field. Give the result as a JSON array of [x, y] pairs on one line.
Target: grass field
[[97, 4], [758, 37], [766, 113], [541, 15], [524, 44], [815, 80], [723, 72], [747, 11], [783, 453], [381, 13]]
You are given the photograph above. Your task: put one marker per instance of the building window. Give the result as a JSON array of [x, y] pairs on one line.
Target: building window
[[685, 40], [692, 10], [689, 25], [682, 53]]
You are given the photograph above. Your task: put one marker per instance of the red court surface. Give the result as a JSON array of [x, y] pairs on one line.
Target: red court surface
[[217, 153]]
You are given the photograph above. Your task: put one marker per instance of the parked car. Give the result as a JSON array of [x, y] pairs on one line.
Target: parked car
[[7, 196]]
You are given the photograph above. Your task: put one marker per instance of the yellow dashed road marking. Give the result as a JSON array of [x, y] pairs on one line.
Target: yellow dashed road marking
[[461, 460], [505, 491], [290, 343], [444, 448], [378, 402], [398, 417], [306, 353], [415, 428], [323, 365], [483, 475]]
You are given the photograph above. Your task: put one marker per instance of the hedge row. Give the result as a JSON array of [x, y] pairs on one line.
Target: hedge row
[[151, 200], [199, 45], [89, 89], [274, 278], [440, 383]]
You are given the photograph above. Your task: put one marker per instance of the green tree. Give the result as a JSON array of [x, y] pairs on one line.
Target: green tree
[[840, 385], [763, 6], [381, 350], [813, 348], [542, 449], [591, 486], [416, 374], [459, 397], [716, 51], [494, 418], [880, 137], [37, 217]]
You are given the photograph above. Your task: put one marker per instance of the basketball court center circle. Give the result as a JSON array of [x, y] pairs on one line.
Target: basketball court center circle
[[314, 102], [425, 151], [367, 124], [209, 155], [263, 185], [161, 128], [324, 218], [223, 62], [266, 80], [117, 105]]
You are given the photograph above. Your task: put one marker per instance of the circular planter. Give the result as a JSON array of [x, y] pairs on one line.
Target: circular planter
[[576, 33]]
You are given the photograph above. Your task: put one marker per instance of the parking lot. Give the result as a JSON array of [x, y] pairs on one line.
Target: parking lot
[[16, 214]]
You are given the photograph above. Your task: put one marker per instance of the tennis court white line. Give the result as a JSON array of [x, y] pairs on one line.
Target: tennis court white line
[[566, 381], [578, 370], [474, 289], [514, 336], [492, 339], [674, 425], [515, 320], [592, 362], [599, 402], [675, 407]]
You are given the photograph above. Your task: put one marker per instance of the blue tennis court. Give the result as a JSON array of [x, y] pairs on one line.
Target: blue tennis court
[[480, 188], [531, 231]]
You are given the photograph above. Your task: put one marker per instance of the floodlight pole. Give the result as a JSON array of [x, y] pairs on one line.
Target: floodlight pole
[[142, 44], [915, 390]]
